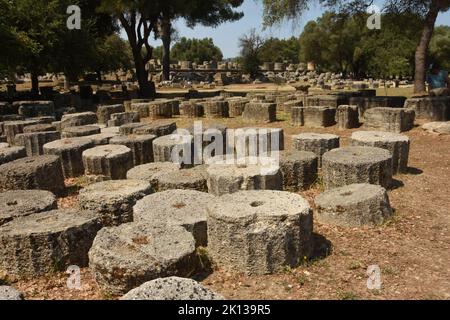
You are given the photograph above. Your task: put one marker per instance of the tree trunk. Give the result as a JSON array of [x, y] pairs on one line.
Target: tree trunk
[[422, 48], [34, 84], [146, 88], [166, 39]]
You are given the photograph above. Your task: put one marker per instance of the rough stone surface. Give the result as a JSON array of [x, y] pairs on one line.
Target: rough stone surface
[[326, 101], [113, 200], [100, 139], [316, 142], [186, 208], [40, 172], [430, 108], [349, 165], [121, 118], [78, 119], [49, 241], [108, 162], [172, 288], [104, 112], [287, 106], [124, 257], [236, 107], [216, 109], [354, 205], [389, 119], [250, 141], [366, 103], [41, 127], [34, 142], [129, 128], [298, 170], [192, 179], [174, 148], [150, 172], [318, 116], [12, 128], [437, 127], [160, 109], [260, 112], [259, 232], [34, 108], [9, 293], [206, 139], [347, 117], [20, 203], [81, 131], [9, 154], [158, 128], [141, 147], [397, 144], [191, 109], [248, 173]]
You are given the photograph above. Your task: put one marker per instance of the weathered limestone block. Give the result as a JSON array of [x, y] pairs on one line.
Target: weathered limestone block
[[351, 165], [244, 174], [298, 170], [124, 257], [21, 203], [297, 116], [397, 144], [287, 106], [12, 128], [186, 179], [141, 147], [100, 139], [113, 200], [253, 141], [236, 107], [158, 128], [439, 127], [347, 117], [319, 117], [10, 294], [42, 127], [150, 172], [353, 206], [121, 118], [186, 208], [80, 131], [141, 108], [9, 154], [160, 110], [49, 241], [366, 103], [260, 112], [34, 108], [259, 232], [78, 119], [326, 101], [191, 109], [431, 108], [70, 152], [211, 140], [104, 112], [40, 172], [129, 128], [316, 143], [109, 162], [34, 142], [172, 288], [216, 109], [174, 148], [389, 119]]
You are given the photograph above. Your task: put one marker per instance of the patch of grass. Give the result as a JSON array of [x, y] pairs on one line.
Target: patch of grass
[[319, 183], [205, 261], [388, 270], [301, 279], [355, 265], [347, 295]]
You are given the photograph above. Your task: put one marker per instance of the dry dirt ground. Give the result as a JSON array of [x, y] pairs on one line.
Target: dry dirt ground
[[412, 249]]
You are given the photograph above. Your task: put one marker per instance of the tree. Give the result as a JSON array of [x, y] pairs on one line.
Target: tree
[[208, 13], [278, 10], [279, 50], [251, 45], [196, 50], [440, 46]]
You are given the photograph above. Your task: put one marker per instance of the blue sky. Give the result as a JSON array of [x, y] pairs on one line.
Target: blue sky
[[226, 35]]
